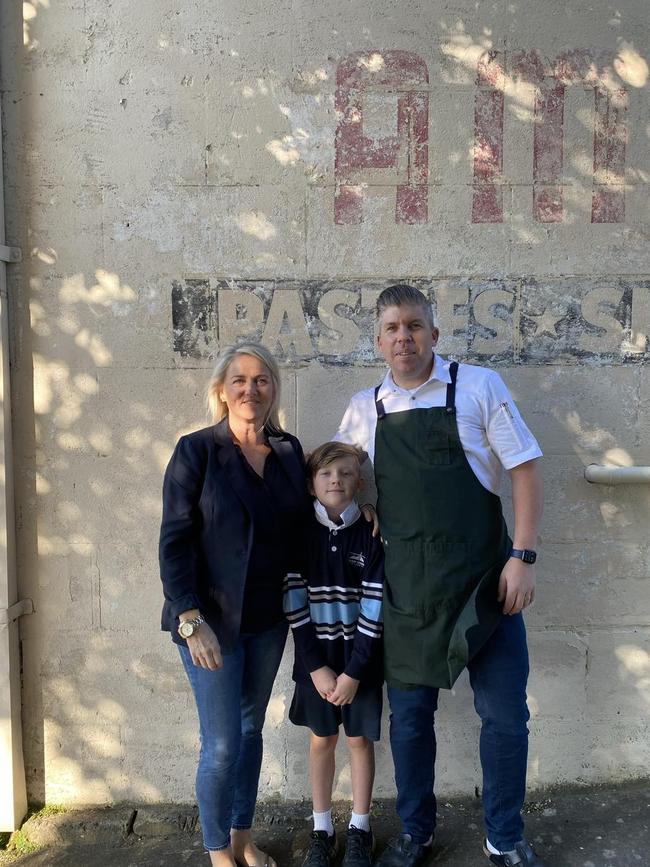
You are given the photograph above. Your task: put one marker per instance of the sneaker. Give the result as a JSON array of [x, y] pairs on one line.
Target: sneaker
[[403, 852], [322, 850], [358, 848], [523, 855]]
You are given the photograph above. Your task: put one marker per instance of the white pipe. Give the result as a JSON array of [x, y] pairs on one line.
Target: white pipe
[[13, 794], [598, 475]]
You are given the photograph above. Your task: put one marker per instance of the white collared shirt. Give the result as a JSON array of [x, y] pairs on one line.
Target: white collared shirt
[[491, 430], [348, 516]]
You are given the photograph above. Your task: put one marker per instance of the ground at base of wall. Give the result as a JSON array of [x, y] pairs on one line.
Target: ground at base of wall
[[588, 827]]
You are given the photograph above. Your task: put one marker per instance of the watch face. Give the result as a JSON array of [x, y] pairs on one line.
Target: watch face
[[186, 629], [529, 557]]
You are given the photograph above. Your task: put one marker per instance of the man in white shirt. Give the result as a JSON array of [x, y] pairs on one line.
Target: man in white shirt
[[440, 436]]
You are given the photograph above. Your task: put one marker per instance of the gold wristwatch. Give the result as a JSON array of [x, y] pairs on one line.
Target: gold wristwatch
[[188, 627]]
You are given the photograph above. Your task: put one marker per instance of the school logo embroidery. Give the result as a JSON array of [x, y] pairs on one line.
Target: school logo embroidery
[[356, 560]]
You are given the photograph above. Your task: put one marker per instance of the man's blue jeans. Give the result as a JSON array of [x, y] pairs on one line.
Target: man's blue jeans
[[231, 704], [498, 676]]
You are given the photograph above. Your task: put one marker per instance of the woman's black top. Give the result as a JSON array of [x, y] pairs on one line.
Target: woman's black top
[[277, 512]]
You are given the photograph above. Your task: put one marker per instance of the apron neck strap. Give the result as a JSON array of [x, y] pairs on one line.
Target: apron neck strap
[[450, 404], [379, 404]]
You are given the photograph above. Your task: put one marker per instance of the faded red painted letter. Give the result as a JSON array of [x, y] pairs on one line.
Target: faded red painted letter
[[610, 129], [388, 71], [487, 206], [610, 138]]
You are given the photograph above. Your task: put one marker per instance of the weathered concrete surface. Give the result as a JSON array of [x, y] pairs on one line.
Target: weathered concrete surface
[[600, 827], [179, 175]]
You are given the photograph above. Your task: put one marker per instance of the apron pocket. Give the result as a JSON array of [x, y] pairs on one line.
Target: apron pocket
[[435, 447], [404, 645], [407, 600], [446, 571]]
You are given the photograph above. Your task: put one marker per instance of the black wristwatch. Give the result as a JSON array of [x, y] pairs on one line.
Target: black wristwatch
[[524, 554]]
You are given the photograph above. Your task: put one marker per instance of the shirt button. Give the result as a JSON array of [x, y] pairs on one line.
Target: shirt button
[[333, 547]]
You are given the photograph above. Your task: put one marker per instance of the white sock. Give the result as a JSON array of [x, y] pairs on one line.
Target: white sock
[[492, 848], [323, 821], [361, 821]]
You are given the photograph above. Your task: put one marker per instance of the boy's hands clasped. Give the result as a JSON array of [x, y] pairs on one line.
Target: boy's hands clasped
[[337, 690], [345, 691], [324, 680]]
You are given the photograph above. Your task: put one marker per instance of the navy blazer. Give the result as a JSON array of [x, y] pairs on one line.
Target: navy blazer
[[207, 527]]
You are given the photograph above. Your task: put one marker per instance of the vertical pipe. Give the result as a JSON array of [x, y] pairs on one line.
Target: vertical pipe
[[13, 796]]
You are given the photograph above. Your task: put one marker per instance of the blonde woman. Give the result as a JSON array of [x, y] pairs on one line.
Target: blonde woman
[[234, 500]]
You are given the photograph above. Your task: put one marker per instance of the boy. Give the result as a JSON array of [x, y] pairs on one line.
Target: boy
[[334, 610]]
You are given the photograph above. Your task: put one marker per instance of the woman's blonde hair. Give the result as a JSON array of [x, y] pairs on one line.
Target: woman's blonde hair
[[217, 408]]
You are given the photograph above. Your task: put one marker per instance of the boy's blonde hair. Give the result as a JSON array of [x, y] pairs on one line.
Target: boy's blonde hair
[[329, 452]]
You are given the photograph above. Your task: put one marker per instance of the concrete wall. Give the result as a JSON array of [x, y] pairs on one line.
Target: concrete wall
[[181, 174]]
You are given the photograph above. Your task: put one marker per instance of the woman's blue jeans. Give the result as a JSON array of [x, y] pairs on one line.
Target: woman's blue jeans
[[231, 704], [498, 676]]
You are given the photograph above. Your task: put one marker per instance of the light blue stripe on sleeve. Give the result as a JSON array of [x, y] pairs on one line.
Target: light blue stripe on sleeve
[[332, 612], [371, 609], [295, 599]]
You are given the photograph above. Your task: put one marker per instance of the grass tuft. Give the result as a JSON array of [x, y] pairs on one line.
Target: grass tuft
[[15, 845]]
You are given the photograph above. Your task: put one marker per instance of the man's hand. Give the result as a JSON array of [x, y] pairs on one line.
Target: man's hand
[[204, 648], [516, 586], [346, 689], [324, 680], [370, 514]]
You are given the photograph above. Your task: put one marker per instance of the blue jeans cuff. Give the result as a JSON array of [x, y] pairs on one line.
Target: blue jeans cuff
[[216, 848]]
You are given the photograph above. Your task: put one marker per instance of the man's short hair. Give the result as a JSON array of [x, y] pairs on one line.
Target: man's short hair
[[403, 293], [326, 454]]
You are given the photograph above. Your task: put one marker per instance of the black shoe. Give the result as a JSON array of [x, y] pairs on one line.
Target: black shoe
[[403, 852], [358, 848], [523, 855], [322, 850]]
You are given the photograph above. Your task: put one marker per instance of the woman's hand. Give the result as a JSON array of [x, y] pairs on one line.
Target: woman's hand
[[204, 648], [324, 680], [369, 513], [346, 689]]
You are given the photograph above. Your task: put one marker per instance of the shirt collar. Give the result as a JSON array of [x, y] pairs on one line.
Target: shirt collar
[[348, 516], [439, 371]]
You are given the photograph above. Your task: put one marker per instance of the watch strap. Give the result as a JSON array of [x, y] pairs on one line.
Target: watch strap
[[524, 554]]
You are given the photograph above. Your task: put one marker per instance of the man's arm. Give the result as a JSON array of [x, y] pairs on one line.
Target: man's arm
[[517, 581], [368, 494], [354, 431]]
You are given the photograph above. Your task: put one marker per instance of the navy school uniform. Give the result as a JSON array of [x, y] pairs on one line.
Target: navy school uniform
[[334, 608]]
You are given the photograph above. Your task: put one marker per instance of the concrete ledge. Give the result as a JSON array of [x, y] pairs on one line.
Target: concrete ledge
[[93, 825], [165, 820], [596, 826]]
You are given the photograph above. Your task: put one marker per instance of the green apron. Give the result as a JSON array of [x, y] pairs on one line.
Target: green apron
[[445, 542]]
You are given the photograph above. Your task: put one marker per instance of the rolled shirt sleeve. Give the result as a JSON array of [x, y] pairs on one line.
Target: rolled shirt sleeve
[[509, 437]]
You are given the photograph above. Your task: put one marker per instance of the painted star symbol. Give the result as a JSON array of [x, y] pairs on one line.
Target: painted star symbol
[[546, 322]]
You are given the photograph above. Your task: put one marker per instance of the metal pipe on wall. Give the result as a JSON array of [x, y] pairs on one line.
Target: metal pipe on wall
[[600, 475], [13, 793]]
